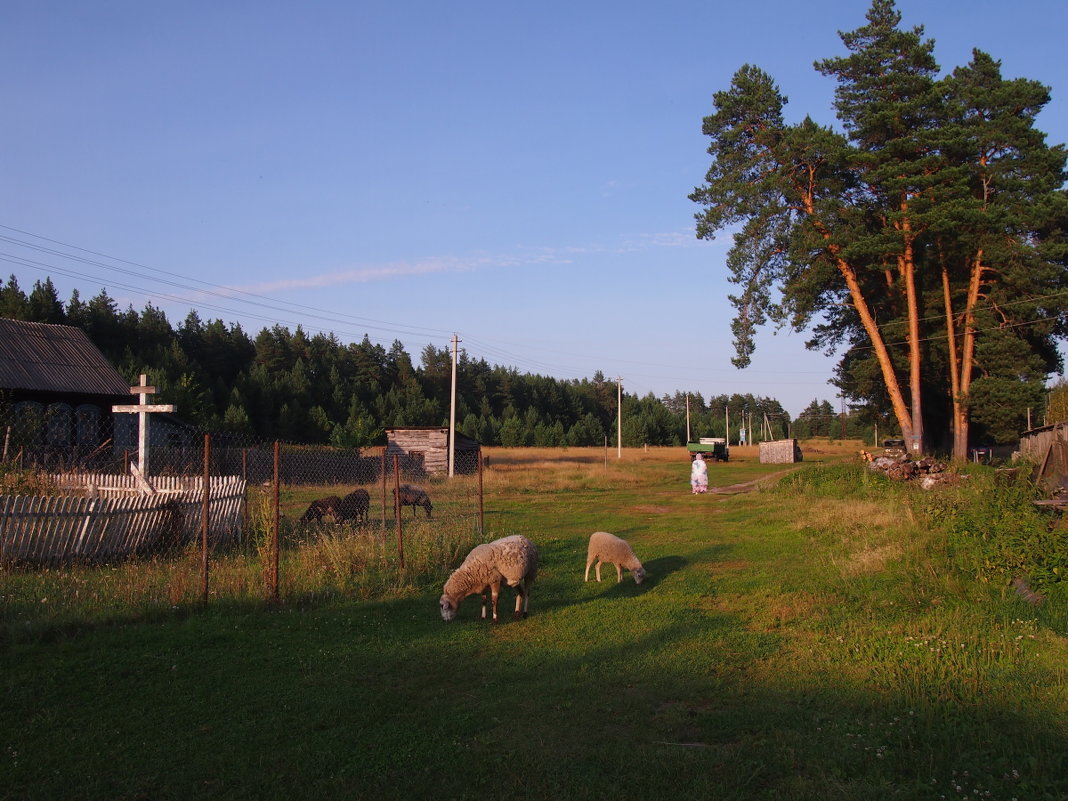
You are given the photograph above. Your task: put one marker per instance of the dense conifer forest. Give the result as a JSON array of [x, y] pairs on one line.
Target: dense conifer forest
[[287, 385]]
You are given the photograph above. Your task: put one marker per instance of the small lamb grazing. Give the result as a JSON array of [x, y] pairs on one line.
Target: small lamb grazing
[[413, 496], [605, 547], [512, 560], [319, 507], [353, 506]]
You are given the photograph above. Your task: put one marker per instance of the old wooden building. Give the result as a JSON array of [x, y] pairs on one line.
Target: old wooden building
[[56, 391], [425, 451], [780, 451]]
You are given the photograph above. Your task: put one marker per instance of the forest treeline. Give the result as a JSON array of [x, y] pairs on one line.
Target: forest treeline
[[287, 385]]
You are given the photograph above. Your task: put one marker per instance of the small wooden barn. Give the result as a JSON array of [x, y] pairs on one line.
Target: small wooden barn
[[425, 451], [56, 389], [780, 451]]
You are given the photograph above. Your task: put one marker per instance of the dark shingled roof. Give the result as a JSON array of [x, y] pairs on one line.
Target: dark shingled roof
[[54, 358]]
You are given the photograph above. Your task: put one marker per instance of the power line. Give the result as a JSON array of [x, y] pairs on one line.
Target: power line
[[222, 299], [205, 287]]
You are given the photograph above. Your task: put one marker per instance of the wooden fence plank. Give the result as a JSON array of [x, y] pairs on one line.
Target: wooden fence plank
[[107, 517]]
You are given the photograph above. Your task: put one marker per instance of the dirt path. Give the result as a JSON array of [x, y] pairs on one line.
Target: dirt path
[[749, 486]]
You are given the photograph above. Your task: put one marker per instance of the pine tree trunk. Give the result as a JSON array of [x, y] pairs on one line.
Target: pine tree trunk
[[967, 361], [893, 388], [959, 417], [915, 442]]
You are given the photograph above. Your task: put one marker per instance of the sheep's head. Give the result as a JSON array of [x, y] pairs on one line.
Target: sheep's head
[[448, 608], [639, 574]]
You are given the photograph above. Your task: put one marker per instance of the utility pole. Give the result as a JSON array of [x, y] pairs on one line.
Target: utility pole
[[452, 413], [619, 417], [688, 417]]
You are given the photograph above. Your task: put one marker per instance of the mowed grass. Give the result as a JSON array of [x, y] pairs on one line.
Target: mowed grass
[[786, 645]]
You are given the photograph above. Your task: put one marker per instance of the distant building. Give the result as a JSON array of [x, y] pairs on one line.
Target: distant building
[[425, 451], [780, 451]]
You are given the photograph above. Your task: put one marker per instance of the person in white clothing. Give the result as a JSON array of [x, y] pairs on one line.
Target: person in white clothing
[[699, 475]]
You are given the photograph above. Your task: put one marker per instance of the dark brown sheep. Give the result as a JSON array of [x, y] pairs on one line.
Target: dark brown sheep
[[410, 495], [319, 507], [353, 506]]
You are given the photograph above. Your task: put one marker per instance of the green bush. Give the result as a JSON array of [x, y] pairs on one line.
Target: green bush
[[994, 531]]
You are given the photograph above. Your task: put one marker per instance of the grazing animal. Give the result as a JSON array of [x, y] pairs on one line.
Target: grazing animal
[[319, 507], [605, 547], [511, 560], [353, 506], [410, 495]]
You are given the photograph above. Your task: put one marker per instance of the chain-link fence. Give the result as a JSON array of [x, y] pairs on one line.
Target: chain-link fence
[[255, 519]]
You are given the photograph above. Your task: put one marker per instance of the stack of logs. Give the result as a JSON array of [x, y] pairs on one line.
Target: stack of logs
[[927, 472]]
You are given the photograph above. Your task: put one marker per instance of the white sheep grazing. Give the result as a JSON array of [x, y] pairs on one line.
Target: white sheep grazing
[[605, 547], [512, 560]]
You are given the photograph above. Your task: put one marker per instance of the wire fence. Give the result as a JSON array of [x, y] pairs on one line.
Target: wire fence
[[294, 520]]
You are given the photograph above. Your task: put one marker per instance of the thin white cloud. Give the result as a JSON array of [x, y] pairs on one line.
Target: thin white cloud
[[522, 257], [363, 275]]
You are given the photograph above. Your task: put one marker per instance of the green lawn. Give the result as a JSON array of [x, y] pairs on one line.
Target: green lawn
[[784, 646]]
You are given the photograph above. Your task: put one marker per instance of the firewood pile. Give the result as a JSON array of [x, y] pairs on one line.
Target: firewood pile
[[926, 472]]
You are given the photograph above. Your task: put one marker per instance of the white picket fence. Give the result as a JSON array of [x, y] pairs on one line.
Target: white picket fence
[[102, 518]]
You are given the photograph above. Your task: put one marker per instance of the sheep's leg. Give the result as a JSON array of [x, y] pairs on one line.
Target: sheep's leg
[[619, 573], [589, 564], [520, 600], [495, 591], [484, 595], [598, 571]]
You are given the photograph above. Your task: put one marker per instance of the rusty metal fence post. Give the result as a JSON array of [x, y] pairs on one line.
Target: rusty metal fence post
[[277, 522], [244, 506], [481, 505], [205, 514], [397, 509], [384, 494]]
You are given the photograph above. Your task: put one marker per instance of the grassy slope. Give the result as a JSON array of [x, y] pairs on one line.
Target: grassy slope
[[781, 648]]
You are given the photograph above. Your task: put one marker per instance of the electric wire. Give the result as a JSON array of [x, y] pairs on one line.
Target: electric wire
[[204, 291]]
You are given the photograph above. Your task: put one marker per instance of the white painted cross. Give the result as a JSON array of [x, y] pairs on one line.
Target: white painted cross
[[143, 409]]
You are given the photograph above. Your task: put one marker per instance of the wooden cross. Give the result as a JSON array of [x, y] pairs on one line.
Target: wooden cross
[[143, 409]]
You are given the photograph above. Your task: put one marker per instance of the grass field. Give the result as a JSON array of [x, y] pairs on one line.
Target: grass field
[[790, 642]]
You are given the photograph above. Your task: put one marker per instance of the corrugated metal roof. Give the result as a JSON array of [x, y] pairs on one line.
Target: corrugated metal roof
[[54, 358]]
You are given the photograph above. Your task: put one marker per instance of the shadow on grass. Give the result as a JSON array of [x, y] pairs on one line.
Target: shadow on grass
[[656, 570], [375, 700]]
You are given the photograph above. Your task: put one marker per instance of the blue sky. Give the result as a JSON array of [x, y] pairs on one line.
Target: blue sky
[[514, 173]]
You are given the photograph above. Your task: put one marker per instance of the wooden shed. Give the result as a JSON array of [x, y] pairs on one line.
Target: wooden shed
[[425, 451], [56, 388], [780, 451]]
